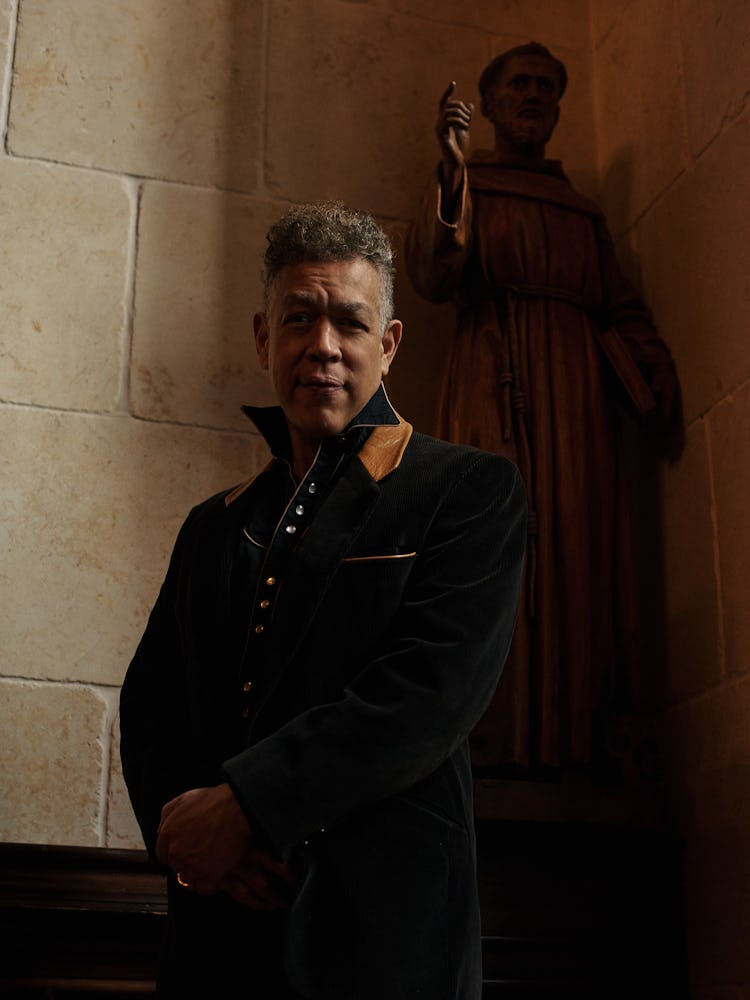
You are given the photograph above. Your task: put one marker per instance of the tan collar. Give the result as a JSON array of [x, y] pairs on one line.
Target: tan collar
[[381, 454], [383, 450]]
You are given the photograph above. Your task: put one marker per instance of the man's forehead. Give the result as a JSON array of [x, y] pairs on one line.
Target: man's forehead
[[352, 282], [307, 278]]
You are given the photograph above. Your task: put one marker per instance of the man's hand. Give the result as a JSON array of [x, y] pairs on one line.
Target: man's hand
[[203, 834], [452, 129], [259, 882]]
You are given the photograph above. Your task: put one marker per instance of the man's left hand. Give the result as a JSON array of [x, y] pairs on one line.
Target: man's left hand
[[202, 835]]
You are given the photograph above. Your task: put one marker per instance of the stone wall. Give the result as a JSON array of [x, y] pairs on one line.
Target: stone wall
[[673, 122], [146, 148]]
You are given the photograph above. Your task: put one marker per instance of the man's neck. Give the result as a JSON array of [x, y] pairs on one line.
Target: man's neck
[[303, 455]]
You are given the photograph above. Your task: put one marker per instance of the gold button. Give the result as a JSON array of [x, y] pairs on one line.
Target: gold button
[[246, 686], [264, 603], [271, 581], [259, 629], [245, 712]]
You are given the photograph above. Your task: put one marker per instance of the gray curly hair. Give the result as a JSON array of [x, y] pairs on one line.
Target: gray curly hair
[[325, 232]]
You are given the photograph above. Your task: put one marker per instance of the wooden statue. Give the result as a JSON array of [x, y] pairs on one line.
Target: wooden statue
[[551, 342]]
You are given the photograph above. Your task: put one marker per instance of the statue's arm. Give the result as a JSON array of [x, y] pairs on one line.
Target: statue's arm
[[439, 237], [436, 247], [626, 310]]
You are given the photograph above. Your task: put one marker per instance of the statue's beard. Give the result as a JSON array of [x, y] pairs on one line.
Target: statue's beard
[[527, 135]]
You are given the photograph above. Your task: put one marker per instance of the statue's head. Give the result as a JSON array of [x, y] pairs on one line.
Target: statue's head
[[520, 91]]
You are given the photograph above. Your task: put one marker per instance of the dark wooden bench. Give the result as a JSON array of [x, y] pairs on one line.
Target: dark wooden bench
[[568, 911]]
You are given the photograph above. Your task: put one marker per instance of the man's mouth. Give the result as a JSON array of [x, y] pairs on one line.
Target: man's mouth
[[321, 382]]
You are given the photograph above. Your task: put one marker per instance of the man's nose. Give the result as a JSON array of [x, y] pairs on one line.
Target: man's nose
[[323, 343]]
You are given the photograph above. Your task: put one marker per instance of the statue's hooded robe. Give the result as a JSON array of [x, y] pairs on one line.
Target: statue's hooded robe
[[550, 340]]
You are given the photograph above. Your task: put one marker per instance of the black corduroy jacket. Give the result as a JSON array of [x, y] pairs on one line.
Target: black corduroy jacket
[[388, 636]]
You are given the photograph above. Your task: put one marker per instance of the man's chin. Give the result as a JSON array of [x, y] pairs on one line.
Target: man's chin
[[324, 424]]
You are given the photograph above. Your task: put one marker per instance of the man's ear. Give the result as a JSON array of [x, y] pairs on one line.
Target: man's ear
[[260, 328], [391, 340]]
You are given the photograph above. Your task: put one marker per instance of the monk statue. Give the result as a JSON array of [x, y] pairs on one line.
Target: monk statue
[[551, 344]]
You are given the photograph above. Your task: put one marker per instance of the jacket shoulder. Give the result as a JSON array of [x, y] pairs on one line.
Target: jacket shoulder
[[423, 447], [431, 460]]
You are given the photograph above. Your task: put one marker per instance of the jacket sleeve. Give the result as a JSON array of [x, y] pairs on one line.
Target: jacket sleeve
[[153, 711], [417, 700], [436, 249]]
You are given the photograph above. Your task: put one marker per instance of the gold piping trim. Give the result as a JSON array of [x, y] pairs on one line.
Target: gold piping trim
[[397, 555], [251, 539]]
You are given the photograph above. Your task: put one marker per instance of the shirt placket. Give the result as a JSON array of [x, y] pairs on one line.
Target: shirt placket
[[296, 518]]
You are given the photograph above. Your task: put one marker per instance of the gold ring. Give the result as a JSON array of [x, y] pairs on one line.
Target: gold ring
[[182, 882]]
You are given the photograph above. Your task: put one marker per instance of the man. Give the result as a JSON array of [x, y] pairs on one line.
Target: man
[[294, 721], [550, 341]]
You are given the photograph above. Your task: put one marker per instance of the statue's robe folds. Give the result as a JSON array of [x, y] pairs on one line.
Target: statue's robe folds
[[530, 266]]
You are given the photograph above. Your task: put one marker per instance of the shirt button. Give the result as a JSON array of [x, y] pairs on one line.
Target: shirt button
[[299, 510], [245, 713], [271, 581], [246, 686], [312, 488], [259, 629], [290, 529], [264, 603]]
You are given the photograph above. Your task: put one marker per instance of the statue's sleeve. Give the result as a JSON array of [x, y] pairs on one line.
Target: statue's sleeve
[[436, 248], [626, 311]]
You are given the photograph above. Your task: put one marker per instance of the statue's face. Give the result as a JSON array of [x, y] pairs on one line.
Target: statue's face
[[523, 103]]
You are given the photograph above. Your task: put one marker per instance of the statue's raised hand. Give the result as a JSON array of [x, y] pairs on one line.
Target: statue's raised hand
[[452, 129]]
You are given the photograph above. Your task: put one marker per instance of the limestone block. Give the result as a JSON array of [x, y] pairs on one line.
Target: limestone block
[[716, 64], [709, 754], [92, 505], [159, 90], [551, 22], [640, 121], [354, 118], [62, 285], [695, 246], [122, 829], [691, 602], [51, 758], [6, 7], [729, 426], [604, 15], [197, 287], [707, 744], [413, 383]]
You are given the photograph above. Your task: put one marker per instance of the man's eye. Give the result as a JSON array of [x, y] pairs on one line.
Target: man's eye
[[297, 318]]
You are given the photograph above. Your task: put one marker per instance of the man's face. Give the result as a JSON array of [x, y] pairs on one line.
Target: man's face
[[522, 103], [322, 342]]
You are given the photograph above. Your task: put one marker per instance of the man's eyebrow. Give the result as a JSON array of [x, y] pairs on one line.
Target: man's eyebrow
[[353, 308], [298, 299], [348, 307]]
